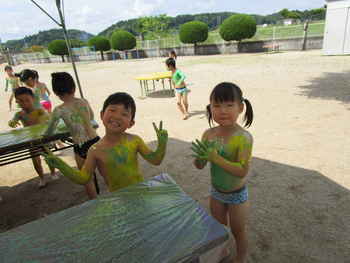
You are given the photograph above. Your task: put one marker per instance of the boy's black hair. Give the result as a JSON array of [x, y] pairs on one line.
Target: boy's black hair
[[121, 98], [26, 74], [170, 62], [8, 67], [226, 92], [62, 83], [173, 53], [23, 90]]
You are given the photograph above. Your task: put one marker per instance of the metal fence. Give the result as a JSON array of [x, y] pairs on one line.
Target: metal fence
[[262, 33], [161, 47]]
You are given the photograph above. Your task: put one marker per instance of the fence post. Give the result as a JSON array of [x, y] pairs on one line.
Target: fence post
[[306, 27]]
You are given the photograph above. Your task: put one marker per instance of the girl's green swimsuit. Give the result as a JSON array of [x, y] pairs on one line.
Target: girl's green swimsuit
[[238, 150]]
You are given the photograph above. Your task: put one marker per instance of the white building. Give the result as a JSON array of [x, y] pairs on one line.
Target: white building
[[337, 29], [289, 21]]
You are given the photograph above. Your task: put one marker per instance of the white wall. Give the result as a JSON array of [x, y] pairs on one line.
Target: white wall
[[337, 30]]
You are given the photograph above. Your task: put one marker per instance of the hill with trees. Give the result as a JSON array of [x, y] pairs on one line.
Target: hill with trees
[[43, 38]]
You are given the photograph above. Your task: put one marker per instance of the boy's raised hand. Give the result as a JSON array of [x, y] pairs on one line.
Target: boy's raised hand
[[205, 150], [162, 134]]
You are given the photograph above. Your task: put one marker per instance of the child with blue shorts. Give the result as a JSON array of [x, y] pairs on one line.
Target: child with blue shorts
[[228, 148], [178, 79]]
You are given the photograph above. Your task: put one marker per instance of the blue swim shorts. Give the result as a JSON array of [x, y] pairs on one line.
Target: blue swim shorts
[[233, 198], [182, 90]]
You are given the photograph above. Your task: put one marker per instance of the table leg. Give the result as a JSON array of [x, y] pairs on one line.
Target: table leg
[[154, 86], [141, 88], [146, 85]]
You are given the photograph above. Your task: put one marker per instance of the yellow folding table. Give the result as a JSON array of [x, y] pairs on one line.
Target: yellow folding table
[[145, 89]]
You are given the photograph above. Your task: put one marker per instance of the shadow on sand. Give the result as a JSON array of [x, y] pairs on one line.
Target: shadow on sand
[[297, 214]]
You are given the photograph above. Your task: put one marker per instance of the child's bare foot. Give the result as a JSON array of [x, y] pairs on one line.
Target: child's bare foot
[[54, 176], [42, 183], [186, 116]]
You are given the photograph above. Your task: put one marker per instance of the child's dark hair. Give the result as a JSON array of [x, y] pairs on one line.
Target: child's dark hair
[[225, 92], [27, 74], [23, 90], [62, 83], [170, 62], [7, 67], [173, 53], [121, 98]]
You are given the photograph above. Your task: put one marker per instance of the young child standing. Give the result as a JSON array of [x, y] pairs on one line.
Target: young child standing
[[44, 93], [28, 116], [178, 79], [77, 116], [28, 77], [115, 155], [12, 83], [228, 148]]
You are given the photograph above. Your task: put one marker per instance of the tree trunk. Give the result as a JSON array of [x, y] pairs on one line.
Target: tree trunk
[[63, 58], [195, 48], [102, 57]]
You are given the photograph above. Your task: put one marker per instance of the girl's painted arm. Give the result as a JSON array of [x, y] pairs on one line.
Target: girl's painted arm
[[82, 176], [91, 112], [157, 156], [52, 124]]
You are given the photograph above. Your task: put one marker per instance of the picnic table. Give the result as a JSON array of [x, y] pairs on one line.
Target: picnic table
[[25, 143], [149, 222], [143, 79]]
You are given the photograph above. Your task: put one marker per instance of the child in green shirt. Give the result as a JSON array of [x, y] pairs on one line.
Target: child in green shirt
[[178, 79]]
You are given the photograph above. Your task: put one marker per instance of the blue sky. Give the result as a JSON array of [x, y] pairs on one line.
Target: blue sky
[[20, 17]]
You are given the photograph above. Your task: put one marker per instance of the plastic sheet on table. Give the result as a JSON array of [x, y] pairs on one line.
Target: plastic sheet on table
[[150, 222]]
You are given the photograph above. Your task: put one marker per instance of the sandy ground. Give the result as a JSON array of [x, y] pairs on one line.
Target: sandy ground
[[299, 183]]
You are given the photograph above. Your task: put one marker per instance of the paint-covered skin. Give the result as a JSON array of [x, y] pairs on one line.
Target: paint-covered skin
[[12, 83], [77, 118], [118, 164], [237, 149], [36, 116]]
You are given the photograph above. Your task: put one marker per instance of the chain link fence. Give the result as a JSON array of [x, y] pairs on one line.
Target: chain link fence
[[161, 47], [263, 33]]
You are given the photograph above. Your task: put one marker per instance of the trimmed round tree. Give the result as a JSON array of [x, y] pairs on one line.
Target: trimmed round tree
[[193, 32], [59, 48], [122, 40], [238, 27], [100, 44]]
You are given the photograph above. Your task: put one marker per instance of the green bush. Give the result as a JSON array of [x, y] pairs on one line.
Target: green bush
[[123, 40], [193, 32], [100, 44], [238, 27], [59, 48], [77, 43]]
